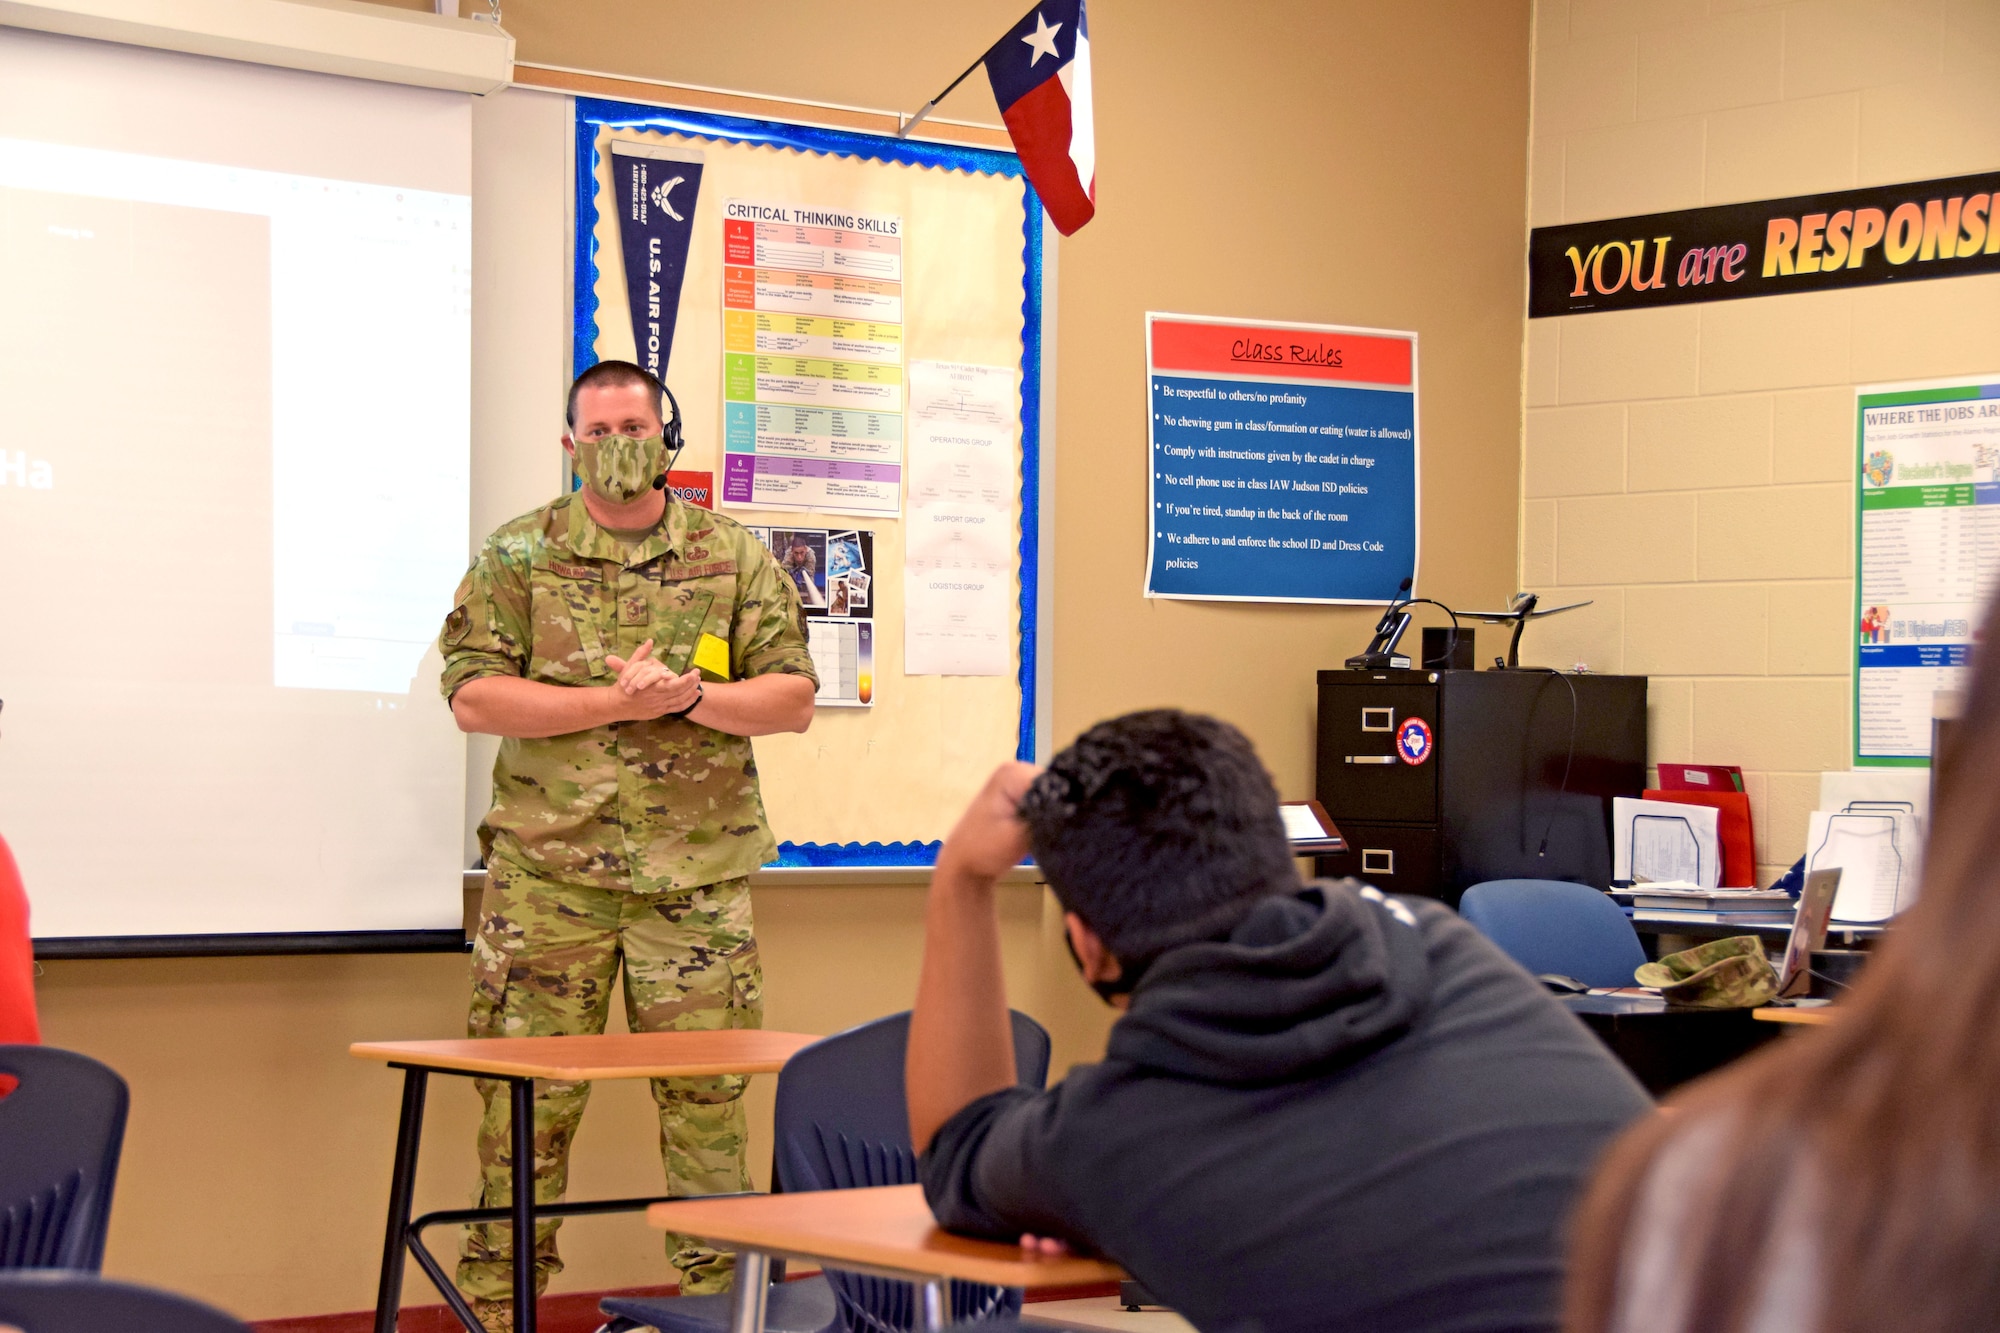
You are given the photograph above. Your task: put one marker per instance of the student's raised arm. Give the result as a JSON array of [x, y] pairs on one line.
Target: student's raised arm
[[961, 1043]]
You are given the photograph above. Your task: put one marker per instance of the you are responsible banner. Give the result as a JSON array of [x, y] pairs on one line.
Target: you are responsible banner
[[1284, 461]]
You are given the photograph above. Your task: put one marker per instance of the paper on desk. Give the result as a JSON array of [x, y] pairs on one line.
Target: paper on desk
[[1883, 790], [1301, 824], [1878, 857], [1662, 840], [960, 607]]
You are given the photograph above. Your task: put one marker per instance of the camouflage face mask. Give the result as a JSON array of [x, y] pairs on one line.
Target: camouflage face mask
[[620, 468]]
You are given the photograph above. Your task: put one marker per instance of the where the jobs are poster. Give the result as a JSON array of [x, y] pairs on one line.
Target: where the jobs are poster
[[1928, 554], [1284, 461]]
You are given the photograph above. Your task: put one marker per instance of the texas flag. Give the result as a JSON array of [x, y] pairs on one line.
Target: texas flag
[[1041, 78]]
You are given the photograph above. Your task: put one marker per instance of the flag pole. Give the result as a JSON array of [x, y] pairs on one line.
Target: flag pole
[[903, 130]]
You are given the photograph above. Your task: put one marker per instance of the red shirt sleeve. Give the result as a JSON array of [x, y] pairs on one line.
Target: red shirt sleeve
[[17, 957]]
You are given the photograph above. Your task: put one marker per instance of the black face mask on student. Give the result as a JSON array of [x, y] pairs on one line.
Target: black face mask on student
[[1124, 983]]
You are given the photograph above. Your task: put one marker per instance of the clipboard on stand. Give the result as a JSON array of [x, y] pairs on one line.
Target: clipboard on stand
[[1662, 842], [1877, 853]]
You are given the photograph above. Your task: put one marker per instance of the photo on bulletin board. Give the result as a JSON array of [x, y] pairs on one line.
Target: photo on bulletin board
[[785, 281], [832, 572]]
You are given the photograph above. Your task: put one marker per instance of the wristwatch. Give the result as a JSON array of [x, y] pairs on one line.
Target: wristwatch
[[691, 707]]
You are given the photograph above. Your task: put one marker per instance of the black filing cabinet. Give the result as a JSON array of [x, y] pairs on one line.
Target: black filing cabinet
[[1441, 779]]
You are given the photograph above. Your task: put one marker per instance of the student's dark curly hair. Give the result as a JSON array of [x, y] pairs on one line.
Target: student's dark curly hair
[[1158, 828]]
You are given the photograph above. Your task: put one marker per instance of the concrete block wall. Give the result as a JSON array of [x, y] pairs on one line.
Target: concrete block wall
[[1691, 468]]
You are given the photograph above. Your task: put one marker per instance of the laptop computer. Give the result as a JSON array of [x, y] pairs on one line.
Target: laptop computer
[[1808, 931]]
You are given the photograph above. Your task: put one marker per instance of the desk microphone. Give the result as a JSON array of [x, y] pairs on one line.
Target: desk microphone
[[1381, 650]]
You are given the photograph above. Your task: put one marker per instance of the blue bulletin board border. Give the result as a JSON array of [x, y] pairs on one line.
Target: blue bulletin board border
[[594, 113]]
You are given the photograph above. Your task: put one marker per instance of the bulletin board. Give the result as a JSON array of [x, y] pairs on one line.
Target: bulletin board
[[879, 782]]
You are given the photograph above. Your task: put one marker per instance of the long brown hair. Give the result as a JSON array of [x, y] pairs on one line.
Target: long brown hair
[[1892, 1110]]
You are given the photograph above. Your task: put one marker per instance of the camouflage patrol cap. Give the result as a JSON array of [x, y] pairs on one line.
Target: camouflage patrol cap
[[1721, 974]]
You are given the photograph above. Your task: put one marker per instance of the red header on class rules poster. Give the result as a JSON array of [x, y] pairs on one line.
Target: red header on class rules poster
[[1269, 352]]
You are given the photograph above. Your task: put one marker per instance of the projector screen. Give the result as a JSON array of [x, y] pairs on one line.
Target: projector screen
[[234, 440]]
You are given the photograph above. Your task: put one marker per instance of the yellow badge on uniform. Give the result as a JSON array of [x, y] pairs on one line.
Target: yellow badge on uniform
[[711, 657]]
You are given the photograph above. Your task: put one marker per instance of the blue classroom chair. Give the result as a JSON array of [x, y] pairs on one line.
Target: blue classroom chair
[[1551, 926], [61, 1130], [842, 1123], [52, 1301]]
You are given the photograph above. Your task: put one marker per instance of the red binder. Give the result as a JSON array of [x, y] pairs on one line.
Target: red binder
[[1732, 829]]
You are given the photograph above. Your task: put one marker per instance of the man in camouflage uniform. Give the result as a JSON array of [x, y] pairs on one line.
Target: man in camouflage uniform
[[626, 816]]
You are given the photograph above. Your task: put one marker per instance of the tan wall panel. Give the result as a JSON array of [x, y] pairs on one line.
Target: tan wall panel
[[1538, 543], [1777, 532], [1840, 45], [1813, 435], [1625, 539], [1776, 725], [1575, 451], [1694, 67], [1776, 342], [1809, 628], [1670, 721], [1927, 329], [1696, 628], [1781, 148], [1939, 127], [1593, 18], [1647, 167], [1627, 354], [1687, 443], [1587, 84]]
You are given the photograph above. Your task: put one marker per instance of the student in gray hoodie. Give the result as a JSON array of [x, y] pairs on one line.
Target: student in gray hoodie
[[1322, 1108]]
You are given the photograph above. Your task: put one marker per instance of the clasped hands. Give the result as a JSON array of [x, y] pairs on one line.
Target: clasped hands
[[647, 688]]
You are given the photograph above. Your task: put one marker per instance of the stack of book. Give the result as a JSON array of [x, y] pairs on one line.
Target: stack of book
[[1728, 907]]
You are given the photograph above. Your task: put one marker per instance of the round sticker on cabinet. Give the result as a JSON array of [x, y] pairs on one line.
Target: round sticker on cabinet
[[1413, 741]]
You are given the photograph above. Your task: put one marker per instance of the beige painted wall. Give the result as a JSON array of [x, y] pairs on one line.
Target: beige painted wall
[[1690, 468], [1292, 159]]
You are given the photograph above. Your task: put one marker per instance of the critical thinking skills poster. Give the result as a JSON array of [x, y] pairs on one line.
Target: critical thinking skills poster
[[813, 399]]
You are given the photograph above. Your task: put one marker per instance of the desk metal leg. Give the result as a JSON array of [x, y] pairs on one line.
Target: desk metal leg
[[934, 1296], [750, 1292], [523, 1125], [402, 1185]]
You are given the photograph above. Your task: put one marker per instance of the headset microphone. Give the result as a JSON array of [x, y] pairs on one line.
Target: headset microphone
[[671, 436]]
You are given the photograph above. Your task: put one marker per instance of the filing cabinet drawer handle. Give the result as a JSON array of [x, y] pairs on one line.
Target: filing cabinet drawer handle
[[1378, 861], [1378, 719], [1371, 759]]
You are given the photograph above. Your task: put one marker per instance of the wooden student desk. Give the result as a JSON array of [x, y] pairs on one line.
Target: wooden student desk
[[1810, 1017], [520, 1061], [886, 1231]]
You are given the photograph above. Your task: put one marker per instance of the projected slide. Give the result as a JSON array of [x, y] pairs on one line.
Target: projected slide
[[235, 383], [335, 316]]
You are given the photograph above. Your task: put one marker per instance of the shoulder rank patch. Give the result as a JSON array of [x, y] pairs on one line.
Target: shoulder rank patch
[[456, 626], [590, 572]]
